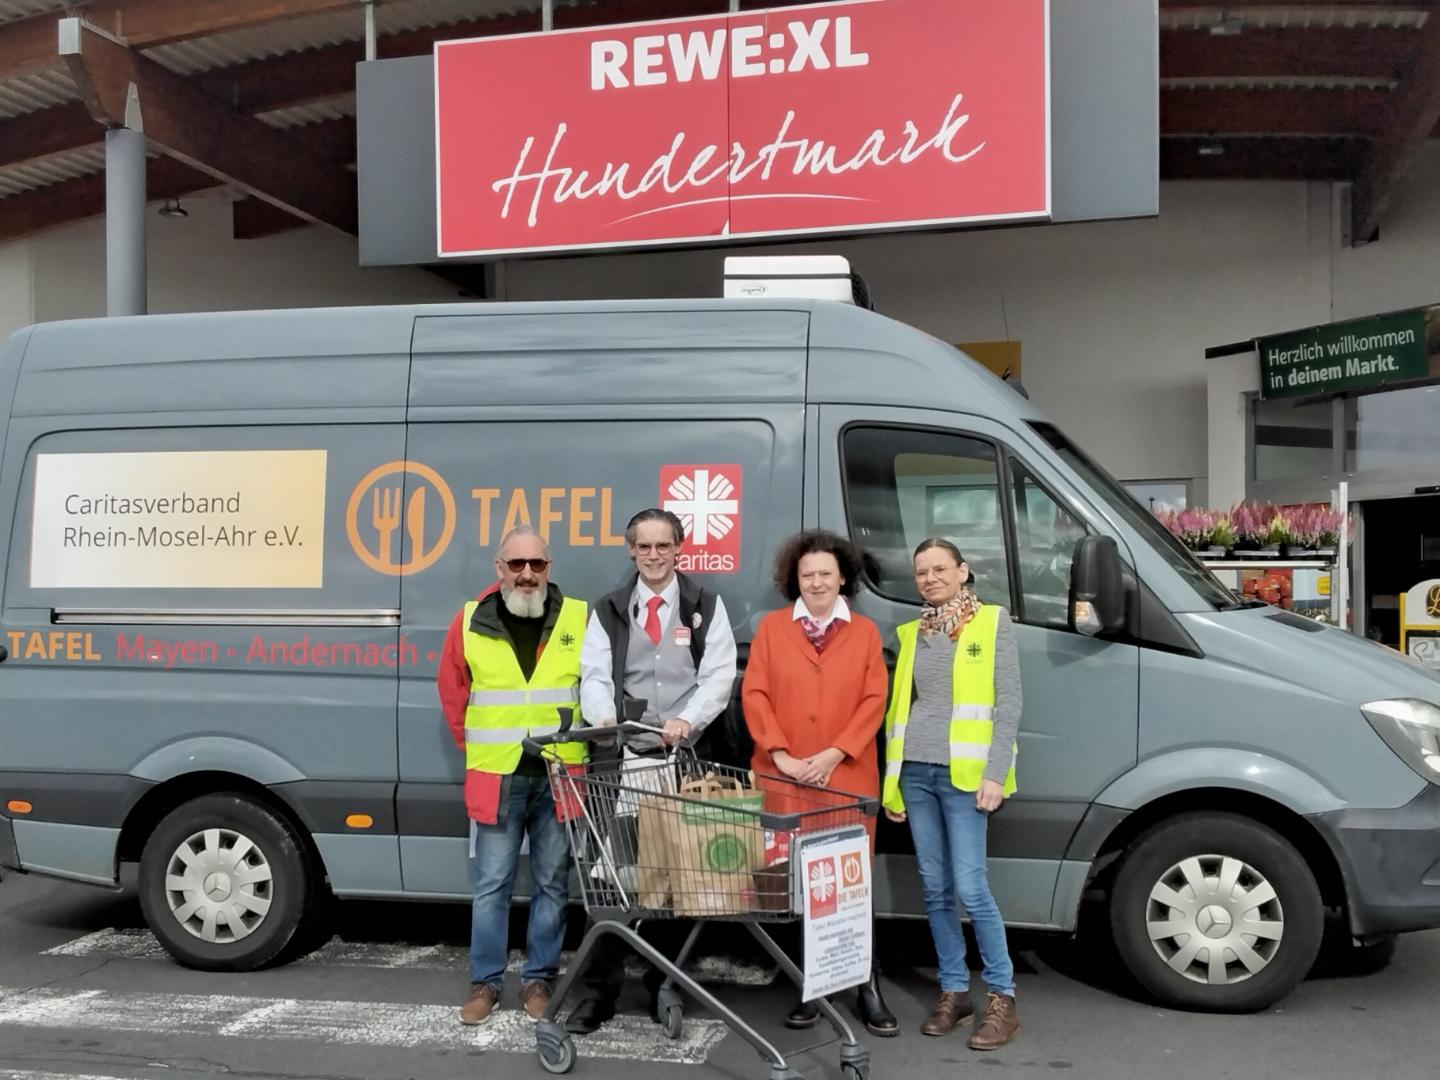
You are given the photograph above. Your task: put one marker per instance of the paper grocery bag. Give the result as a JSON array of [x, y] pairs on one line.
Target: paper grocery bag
[[716, 844], [652, 864]]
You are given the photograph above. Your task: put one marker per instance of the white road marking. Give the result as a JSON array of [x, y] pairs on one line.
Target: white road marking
[[362, 1023], [142, 945], [20, 1074]]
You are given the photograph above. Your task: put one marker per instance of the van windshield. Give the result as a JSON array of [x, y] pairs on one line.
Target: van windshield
[[1140, 519]]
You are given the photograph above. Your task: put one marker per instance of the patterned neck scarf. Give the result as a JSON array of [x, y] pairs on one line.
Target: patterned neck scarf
[[950, 617], [817, 635]]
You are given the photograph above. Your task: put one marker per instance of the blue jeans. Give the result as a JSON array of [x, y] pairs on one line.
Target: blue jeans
[[526, 806], [949, 838]]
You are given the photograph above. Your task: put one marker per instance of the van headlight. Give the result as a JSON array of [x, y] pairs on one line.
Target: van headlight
[[1411, 728]]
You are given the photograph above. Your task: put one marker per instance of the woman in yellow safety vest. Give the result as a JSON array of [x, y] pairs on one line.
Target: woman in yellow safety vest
[[949, 763]]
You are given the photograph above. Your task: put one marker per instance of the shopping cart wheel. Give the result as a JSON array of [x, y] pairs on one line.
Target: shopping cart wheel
[[854, 1062], [556, 1053], [670, 1009], [673, 1021]]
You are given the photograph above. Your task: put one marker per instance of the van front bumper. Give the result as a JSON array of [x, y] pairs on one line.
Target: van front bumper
[[1390, 860]]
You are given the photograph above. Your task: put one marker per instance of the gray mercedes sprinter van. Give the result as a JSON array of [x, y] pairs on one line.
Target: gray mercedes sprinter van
[[236, 541]]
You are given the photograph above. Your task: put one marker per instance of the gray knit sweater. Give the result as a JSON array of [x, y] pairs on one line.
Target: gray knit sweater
[[927, 737]]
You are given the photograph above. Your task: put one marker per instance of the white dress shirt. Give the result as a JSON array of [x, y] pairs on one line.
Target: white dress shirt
[[714, 679], [840, 611]]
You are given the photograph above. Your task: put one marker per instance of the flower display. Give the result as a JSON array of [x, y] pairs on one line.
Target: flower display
[[1257, 527]]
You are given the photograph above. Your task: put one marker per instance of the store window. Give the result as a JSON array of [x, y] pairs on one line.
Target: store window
[[1399, 429], [1046, 535], [1292, 441], [903, 485]]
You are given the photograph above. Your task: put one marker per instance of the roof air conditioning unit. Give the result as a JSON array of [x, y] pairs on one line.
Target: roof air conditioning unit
[[790, 277]]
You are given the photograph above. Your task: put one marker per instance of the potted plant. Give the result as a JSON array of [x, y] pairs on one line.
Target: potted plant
[[1304, 531], [1328, 529], [1250, 529], [1193, 528], [1276, 531], [1222, 535]]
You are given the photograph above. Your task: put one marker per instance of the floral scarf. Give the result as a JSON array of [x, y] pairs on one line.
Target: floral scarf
[[950, 617]]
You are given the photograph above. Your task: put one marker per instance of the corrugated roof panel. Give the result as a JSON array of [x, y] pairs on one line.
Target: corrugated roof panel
[[38, 90], [1277, 82], [1235, 18], [296, 35], [10, 10], [314, 112], [55, 169]]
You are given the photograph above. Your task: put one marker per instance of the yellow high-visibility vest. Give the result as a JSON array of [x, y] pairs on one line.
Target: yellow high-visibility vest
[[972, 710], [504, 708]]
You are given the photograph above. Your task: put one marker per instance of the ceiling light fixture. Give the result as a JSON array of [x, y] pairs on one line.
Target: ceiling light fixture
[[1210, 150], [173, 209]]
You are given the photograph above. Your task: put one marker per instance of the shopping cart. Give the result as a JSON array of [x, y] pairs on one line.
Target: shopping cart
[[630, 822]]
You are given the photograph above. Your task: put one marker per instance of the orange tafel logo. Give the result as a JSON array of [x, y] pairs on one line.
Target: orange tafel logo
[[387, 518]]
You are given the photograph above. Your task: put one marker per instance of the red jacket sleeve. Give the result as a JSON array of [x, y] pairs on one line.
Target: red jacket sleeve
[[452, 680], [757, 697], [858, 735]]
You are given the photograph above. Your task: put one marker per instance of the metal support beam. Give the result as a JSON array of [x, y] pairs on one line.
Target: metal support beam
[[734, 6], [371, 41], [125, 267], [547, 15]]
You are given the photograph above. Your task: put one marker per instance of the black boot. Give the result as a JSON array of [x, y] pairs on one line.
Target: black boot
[[874, 1013], [806, 1014]]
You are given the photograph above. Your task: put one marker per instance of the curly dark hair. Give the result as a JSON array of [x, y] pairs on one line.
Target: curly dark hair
[[809, 542]]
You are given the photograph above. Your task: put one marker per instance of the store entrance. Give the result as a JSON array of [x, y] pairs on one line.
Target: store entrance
[[1402, 549]]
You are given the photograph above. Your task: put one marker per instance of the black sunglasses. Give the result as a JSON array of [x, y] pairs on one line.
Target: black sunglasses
[[537, 566]]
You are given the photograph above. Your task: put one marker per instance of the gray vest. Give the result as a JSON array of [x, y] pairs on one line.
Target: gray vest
[[663, 675]]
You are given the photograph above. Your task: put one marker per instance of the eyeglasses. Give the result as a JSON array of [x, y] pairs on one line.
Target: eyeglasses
[[537, 566], [664, 548]]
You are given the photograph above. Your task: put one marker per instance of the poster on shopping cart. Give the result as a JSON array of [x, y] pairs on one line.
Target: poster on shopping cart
[[839, 900]]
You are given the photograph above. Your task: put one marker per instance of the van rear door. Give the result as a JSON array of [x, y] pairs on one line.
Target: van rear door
[[893, 476]]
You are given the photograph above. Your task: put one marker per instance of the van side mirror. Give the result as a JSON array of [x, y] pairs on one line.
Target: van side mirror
[[1097, 586]]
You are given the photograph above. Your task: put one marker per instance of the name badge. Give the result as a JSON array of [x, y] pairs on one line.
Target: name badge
[[682, 636]]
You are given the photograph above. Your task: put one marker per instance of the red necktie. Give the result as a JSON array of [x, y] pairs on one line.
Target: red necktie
[[652, 620]]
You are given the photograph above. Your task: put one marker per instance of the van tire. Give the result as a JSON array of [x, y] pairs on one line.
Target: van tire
[[247, 870], [1269, 887]]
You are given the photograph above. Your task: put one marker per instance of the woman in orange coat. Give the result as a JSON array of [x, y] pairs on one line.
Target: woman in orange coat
[[814, 696]]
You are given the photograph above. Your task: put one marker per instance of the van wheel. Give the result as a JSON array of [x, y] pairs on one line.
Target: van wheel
[[225, 883], [1216, 912]]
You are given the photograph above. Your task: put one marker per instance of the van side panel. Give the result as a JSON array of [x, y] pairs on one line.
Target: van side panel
[[572, 423]]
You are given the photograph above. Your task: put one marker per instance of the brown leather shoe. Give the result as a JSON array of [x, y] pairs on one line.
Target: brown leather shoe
[[1001, 1024], [955, 1008], [535, 998], [479, 1005]]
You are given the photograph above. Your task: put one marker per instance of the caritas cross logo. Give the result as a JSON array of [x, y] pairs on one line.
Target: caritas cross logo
[[706, 499], [824, 893]]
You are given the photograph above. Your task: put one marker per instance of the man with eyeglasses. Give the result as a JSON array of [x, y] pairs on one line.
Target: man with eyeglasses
[[665, 640], [511, 658]]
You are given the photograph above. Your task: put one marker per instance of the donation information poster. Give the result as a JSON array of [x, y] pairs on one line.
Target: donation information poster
[[226, 519], [839, 902]]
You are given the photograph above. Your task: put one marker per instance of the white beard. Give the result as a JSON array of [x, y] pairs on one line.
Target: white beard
[[523, 605]]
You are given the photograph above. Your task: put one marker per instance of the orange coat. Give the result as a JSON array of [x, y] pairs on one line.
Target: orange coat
[[802, 702]]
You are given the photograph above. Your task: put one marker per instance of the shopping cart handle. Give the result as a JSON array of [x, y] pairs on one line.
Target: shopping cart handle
[[535, 744]]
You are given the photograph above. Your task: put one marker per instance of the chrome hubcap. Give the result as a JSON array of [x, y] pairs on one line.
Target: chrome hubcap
[[219, 886], [1214, 919]]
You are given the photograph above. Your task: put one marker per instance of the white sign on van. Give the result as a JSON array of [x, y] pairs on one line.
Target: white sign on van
[[219, 519]]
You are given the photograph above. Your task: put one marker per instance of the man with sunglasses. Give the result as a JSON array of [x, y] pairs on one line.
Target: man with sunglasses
[[512, 657], [662, 639]]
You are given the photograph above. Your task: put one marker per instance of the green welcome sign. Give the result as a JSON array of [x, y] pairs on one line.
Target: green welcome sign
[[1353, 355]]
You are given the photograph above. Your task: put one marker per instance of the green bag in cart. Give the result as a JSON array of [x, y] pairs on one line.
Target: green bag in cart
[[716, 845]]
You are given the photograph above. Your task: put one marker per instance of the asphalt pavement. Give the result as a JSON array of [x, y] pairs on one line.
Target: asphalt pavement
[[85, 992]]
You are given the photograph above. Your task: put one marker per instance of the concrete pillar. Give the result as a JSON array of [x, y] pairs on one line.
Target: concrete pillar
[[125, 272]]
